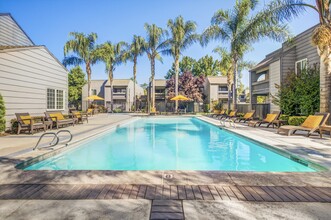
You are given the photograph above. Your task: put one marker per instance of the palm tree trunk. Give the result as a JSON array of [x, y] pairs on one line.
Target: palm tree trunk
[[134, 83], [176, 79], [153, 83], [110, 81], [325, 80], [234, 96], [88, 71]]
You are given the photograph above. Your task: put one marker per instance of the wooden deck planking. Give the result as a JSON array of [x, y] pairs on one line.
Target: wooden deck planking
[[166, 192]]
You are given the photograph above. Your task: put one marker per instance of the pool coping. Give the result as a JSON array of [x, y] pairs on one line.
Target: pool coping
[[11, 175], [282, 152]]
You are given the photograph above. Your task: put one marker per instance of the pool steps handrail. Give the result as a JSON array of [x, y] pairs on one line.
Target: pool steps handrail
[[56, 137]]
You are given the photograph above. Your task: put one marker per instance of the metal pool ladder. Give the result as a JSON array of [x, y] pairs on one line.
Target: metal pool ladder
[[56, 137]]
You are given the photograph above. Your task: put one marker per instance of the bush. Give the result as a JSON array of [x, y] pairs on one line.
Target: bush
[[2, 115], [240, 114], [299, 94], [284, 117], [206, 108], [117, 110], [296, 120]]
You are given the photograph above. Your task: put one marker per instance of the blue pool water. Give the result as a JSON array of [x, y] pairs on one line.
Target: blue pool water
[[170, 144]]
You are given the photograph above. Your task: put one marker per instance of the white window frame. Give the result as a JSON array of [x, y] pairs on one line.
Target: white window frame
[[300, 61], [55, 101]]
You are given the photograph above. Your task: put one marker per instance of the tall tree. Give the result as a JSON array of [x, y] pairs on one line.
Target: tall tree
[[182, 36], [155, 45], [189, 86], [112, 55], [185, 65], [241, 27], [76, 81], [226, 67], [136, 49], [206, 66], [286, 10], [84, 47]]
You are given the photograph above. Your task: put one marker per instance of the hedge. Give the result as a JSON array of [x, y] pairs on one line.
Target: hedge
[[2, 115], [296, 120]]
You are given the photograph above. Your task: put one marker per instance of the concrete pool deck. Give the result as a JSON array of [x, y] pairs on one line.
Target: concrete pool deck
[[15, 149]]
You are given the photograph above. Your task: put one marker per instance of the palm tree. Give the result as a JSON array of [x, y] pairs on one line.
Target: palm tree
[[241, 28], [112, 55], [286, 10], [182, 36], [226, 67], [136, 49], [84, 47], [155, 45]]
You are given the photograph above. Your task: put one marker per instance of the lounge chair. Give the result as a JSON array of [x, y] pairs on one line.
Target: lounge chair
[[58, 119], [81, 117], [231, 115], [90, 112], [268, 120], [247, 117], [26, 122], [311, 124]]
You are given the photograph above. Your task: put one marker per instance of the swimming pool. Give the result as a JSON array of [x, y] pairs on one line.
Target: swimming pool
[[170, 144]]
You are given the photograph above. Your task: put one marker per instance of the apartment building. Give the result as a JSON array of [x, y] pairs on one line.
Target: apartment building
[[122, 96]]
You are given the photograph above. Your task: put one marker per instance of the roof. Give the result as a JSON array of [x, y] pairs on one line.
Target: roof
[[19, 48], [116, 82], [8, 14], [160, 82], [217, 79]]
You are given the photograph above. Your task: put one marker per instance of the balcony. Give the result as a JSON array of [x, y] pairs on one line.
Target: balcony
[[159, 96], [261, 87], [119, 95]]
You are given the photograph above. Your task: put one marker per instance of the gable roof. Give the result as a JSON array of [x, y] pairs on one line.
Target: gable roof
[[11, 17], [19, 48]]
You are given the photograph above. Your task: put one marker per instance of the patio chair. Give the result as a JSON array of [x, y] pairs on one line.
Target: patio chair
[[311, 124], [26, 122], [268, 120], [58, 119], [81, 117], [89, 112], [231, 115], [247, 117]]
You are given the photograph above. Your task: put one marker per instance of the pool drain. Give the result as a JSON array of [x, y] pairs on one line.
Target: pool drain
[[168, 176]]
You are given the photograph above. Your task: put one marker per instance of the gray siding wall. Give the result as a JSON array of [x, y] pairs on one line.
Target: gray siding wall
[[287, 62], [11, 34], [25, 75]]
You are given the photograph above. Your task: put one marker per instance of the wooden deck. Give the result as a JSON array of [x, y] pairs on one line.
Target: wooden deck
[[166, 192]]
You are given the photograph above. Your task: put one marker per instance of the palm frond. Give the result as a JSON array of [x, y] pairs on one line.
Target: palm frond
[[72, 61]]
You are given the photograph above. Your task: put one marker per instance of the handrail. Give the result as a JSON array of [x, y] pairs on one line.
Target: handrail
[[56, 137]]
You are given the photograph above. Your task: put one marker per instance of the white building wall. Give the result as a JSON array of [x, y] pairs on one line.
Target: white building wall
[[25, 76]]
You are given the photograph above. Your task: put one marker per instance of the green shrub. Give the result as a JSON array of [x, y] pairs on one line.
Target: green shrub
[[296, 120], [284, 117], [2, 115], [206, 108], [117, 110], [299, 94], [240, 114], [14, 125]]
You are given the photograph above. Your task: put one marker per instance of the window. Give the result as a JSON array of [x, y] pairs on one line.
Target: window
[[55, 99], [262, 77], [300, 66], [119, 90], [94, 91], [222, 89], [159, 91]]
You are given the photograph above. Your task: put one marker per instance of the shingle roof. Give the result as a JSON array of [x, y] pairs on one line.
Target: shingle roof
[[217, 79]]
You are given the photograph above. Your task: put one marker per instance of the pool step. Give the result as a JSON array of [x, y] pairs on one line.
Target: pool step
[[167, 209]]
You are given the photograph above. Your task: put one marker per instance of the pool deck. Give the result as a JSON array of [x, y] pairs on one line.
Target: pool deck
[[193, 192]]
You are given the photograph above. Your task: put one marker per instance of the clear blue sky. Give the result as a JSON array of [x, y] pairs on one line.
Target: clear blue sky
[[48, 22]]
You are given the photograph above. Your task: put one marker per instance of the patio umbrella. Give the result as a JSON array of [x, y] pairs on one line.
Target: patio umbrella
[[180, 98], [94, 98]]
